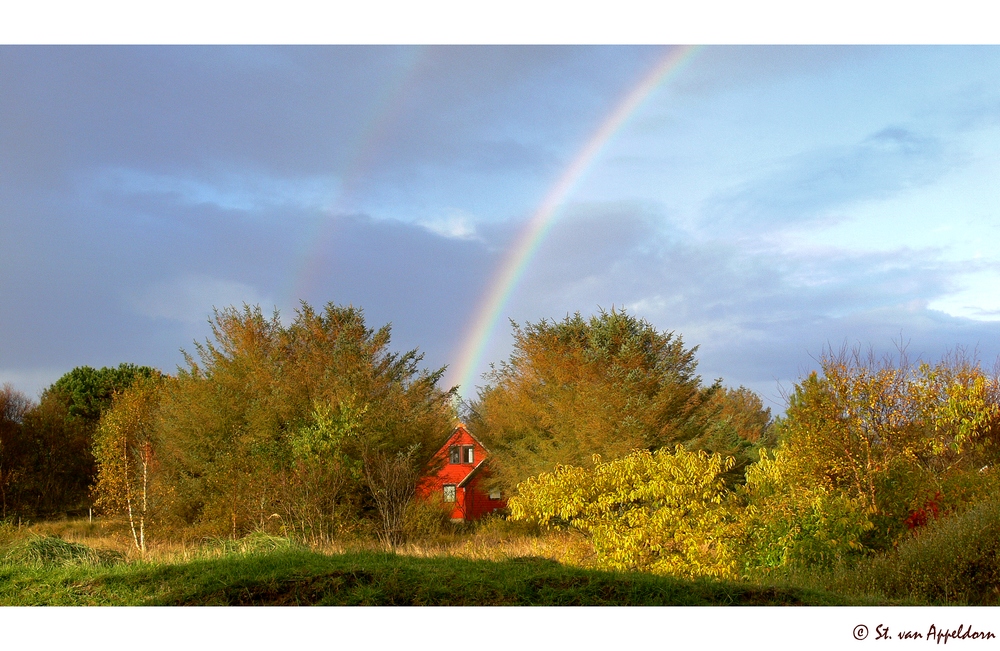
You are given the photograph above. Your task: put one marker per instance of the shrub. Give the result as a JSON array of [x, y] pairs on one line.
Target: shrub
[[953, 560], [664, 512], [795, 523]]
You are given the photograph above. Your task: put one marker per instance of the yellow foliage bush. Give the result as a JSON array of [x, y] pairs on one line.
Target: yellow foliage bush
[[664, 512]]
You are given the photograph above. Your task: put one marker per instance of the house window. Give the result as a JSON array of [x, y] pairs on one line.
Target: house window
[[495, 494], [467, 454], [454, 454], [449, 492]]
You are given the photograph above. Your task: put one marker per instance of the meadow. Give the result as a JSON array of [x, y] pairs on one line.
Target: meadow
[[45, 569], [82, 563]]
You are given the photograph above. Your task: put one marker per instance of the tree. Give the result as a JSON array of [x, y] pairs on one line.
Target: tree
[[56, 438], [739, 427], [391, 478], [14, 405], [277, 423], [126, 451], [866, 444], [574, 388], [88, 392]]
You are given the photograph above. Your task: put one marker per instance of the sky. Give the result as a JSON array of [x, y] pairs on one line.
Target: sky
[[762, 202]]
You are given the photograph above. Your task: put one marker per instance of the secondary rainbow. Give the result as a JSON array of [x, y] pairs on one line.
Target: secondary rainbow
[[382, 117], [518, 258]]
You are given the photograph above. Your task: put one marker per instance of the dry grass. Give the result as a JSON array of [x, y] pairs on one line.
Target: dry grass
[[495, 539], [492, 539]]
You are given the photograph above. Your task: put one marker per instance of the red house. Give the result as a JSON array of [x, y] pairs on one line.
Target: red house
[[460, 478]]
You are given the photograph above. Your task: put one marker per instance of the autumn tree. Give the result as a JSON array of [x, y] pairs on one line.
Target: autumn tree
[[272, 425], [865, 443], [126, 452], [577, 387], [738, 426], [56, 438]]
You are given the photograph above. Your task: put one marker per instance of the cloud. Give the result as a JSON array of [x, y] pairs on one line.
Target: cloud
[[811, 186], [456, 226], [190, 299], [244, 191], [721, 68], [383, 114], [759, 317], [425, 284]]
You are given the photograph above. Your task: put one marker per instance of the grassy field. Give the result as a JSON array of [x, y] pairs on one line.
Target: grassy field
[[301, 577], [957, 562], [68, 563]]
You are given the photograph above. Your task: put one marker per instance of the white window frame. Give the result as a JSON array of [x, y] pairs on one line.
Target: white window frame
[[468, 454], [453, 493]]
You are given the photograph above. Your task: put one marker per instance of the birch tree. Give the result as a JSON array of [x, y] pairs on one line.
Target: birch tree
[[125, 451]]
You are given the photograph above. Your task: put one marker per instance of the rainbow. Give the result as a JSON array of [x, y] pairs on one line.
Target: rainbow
[[512, 268]]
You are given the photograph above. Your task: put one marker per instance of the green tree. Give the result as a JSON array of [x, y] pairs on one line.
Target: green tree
[[88, 392], [575, 388]]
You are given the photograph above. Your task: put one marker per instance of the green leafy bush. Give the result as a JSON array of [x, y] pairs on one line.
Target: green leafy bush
[[789, 522]]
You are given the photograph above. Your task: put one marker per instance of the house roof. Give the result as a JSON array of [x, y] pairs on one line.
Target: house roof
[[461, 426], [453, 473], [472, 473]]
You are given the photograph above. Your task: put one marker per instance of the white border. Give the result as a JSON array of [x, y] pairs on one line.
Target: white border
[[495, 22], [484, 629]]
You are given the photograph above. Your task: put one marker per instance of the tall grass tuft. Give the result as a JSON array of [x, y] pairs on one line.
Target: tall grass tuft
[[47, 551], [257, 542]]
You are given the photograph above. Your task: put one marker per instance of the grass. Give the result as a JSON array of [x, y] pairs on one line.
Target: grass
[[45, 551], [293, 576], [954, 561], [52, 564]]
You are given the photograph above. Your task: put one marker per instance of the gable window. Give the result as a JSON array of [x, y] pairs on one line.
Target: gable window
[[454, 454], [467, 454], [449, 492]]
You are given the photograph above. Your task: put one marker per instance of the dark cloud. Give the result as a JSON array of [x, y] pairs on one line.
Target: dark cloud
[[382, 114], [422, 283]]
